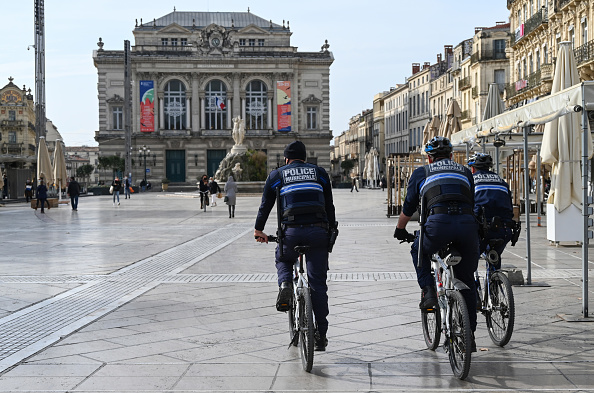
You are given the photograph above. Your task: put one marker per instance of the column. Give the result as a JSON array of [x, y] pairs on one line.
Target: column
[[242, 114], [274, 110], [196, 108], [294, 104], [229, 112], [269, 114], [202, 114], [188, 114], [161, 115], [236, 96]]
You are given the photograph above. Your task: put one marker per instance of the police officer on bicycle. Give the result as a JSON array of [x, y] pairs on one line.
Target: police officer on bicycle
[[307, 215], [492, 204], [448, 190]]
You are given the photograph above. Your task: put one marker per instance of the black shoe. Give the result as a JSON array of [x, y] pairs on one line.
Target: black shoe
[[428, 298], [285, 296], [320, 342], [473, 344]]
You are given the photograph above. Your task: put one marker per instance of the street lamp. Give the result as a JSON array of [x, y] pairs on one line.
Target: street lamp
[[143, 152]]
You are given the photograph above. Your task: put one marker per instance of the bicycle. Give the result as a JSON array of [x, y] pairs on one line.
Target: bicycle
[[452, 317], [301, 319], [204, 199], [496, 302]]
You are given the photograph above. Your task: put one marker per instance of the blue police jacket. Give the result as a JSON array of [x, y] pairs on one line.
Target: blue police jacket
[[441, 182], [306, 195], [492, 193]]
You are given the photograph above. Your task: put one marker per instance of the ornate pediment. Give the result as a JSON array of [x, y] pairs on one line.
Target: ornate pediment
[[216, 40], [252, 29], [175, 28], [311, 99], [116, 99]]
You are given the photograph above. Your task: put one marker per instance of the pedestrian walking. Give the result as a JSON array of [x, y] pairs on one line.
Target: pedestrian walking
[[307, 215], [28, 190], [5, 187], [231, 195], [354, 184], [214, 191], [127, 186], [383, 183], [73, 192], [42, 196], [204, 191], [117, 186]]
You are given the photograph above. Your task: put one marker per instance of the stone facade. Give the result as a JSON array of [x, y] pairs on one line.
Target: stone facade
[[207, 68], [17, 127], [419, 85], [396, 120]]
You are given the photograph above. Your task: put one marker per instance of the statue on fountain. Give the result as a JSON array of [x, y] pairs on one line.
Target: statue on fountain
[[238, 135], [236, 158]]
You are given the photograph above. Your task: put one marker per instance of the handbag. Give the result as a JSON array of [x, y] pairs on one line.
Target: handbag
[[131, 189], [111, 190], [226, 199], [220, 195]]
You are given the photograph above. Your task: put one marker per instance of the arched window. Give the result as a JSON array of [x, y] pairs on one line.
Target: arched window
[[175, 105], [256, 107], [216, 105]]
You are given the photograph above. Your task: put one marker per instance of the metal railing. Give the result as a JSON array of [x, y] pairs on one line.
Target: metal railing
[[12, 123], [523, 85], [584, 53], [562, 3], [538, 19], [464, 83], [547, 71], [486, 55]]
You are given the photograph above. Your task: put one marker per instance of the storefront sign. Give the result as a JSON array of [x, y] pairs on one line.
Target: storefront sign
[[147, 106], [283, 105]]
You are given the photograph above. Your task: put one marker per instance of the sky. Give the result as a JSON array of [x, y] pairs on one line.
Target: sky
[[374, 45]]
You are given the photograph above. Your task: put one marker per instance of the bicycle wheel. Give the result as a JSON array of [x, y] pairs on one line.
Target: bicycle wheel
[[431, 320], [306, 329], [500, 313], [293, 323], [459, 335]]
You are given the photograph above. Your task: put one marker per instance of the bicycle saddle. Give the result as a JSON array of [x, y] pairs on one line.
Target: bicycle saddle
[[302, 249], [450, 255], [496, 243]]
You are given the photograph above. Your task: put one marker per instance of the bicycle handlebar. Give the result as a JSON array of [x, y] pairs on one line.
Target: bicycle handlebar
[[271, 238]]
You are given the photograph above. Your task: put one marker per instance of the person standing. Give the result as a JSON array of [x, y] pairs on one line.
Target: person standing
[[307, 215], [28, 190], [73, 192], [204, 191], [447, 189], [127, 185], [117, 186], [231, 194], [5, 187], [492, 202], [42, 196], [214, 188]]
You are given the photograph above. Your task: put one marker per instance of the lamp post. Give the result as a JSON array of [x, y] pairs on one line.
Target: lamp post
[[143, 152]]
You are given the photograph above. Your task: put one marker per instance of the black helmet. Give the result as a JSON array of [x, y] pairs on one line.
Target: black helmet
[[439, 146], [480, 161]]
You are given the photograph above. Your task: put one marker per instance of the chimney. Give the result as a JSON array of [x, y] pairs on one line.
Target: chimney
[[416, 67], [426, 65], [448, 50], [438, 58], [477, 29]]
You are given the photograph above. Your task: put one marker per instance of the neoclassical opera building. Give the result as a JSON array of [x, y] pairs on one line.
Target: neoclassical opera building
[[192, 73]]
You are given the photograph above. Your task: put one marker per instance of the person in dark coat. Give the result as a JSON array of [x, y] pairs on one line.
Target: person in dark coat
[[42, 196], [5, 187], [28, 190], [117, 187], [204, 191], [73, 192], [214, 190]]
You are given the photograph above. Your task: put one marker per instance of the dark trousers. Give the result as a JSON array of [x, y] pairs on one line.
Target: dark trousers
[[502, 233], [462, 231], [74, 202], [317, 267], [43, 202]]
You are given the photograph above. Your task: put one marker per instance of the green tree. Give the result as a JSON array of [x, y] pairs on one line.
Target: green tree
[[347, 166], [115, 163], [256, 165]]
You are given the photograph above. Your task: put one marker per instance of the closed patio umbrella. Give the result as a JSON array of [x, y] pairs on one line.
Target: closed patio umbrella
[[44, 165], [494, 105], [1, 179], [452, 124], [431, 129], [60, 174], [561, 140]]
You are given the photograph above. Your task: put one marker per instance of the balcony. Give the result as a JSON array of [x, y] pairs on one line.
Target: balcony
[[12, 148], [487, 55], [561, 3], [524, 85], [464, 83], [547, 71], [12, 124], [538, 19], [474, 92], [584, 53]]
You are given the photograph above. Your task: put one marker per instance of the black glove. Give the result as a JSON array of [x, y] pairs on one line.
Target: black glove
[[401, 234]]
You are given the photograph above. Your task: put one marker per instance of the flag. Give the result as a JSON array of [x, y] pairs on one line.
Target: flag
[[220, 103]]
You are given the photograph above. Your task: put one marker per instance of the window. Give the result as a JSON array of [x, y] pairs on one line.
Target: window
[[175, 105], [544, 54], [312, 118], [499, 78], [242, 42], [499, 49], [537, 59], [174, 42], [12, 137], [260, 42], [12, 115], [164, 41], [117, 118], [584, 30], [256, 105], [184, 42], [252, 42], [216, 104]]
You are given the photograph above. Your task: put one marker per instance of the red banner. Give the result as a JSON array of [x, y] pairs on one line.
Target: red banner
[[147, 106], [283, 105]]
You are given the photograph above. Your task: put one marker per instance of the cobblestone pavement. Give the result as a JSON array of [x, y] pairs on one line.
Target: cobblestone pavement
[[155, 295]]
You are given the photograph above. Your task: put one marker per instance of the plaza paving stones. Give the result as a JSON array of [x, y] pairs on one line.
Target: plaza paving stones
[[157, 296]]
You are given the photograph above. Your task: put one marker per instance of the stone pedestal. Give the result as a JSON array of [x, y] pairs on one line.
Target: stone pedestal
[[238, 149]]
